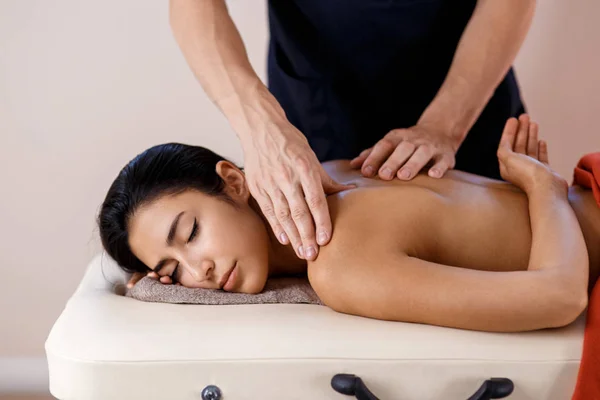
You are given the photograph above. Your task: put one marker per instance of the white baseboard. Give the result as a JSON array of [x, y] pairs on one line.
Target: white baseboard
[[23, 375]]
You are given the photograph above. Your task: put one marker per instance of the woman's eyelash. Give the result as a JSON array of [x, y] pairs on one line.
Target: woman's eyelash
[[192, 236], [194, 231]]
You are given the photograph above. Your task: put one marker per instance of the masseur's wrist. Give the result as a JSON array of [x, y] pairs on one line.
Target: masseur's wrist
[[454, 109], [442, 121], [443, 127], [253, 111]]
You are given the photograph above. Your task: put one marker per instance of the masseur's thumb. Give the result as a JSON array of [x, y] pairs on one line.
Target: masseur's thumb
[[330, 186]]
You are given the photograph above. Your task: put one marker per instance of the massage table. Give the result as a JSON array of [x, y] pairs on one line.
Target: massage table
[[108, 346]]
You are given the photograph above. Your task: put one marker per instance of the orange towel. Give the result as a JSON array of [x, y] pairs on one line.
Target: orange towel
[[587, 174]]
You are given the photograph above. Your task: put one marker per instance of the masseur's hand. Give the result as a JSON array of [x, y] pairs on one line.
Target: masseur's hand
[[523, 157], [289, 184], [404, 152]]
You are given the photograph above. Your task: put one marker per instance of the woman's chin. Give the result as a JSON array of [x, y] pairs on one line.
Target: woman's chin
[[253, 287]]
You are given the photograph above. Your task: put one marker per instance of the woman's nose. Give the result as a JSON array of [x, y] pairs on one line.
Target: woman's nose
[[202, 271]]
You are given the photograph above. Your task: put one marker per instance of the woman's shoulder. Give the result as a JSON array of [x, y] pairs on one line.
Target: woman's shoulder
[[376, 220]]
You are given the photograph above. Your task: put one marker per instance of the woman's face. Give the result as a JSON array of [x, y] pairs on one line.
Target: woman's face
[[203, 241]]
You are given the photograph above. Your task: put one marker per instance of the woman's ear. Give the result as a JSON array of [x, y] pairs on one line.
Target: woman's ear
[[235, 180]]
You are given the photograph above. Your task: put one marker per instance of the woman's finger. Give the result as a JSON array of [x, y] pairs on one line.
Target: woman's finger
[[522, 134], [135, 278], [543, 152], [532, 141], [509, 134]]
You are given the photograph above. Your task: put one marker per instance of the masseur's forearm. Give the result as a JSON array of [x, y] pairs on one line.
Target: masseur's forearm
[[484, 55], [558, 248], [216, 54]]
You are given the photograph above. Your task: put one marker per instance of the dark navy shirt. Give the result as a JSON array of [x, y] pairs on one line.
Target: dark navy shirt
[[347, 72]]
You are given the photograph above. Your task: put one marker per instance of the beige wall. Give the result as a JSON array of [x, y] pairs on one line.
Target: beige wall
[[559, 71], [86, 85]]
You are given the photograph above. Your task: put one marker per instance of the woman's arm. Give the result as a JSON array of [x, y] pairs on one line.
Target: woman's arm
[[389, 286], [385, 285]]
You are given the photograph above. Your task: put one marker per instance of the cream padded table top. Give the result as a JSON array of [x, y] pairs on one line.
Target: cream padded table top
[[107, 346]]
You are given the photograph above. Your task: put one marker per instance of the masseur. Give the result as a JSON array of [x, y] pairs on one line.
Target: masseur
[[397, 85]]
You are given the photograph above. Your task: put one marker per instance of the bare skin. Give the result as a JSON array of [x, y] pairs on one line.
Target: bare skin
[[399, 259], [463, 251], [479, 216], [283, 173]]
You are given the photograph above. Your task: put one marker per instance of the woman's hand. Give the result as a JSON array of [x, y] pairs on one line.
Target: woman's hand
[[137, 276], [289, 184], [404, 152], [524, 159]]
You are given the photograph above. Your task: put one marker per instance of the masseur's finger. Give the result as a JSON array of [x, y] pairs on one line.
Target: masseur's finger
[[283, 214], [543, 152], [360, 159], [522, 134], [381, 152], [442, 165], [318, 210], [165, 280], [317, 203], [266, 205], [303, 220], [532, 141], [415, 163], [396, 160]]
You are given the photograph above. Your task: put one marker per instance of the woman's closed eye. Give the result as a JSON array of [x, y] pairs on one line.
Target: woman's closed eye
[[175, 274], [193, 233]]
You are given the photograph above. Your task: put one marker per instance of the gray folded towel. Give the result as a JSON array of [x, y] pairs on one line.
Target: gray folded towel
[[277, 290]]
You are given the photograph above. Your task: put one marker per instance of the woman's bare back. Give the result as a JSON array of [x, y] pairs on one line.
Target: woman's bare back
[[462, 220]]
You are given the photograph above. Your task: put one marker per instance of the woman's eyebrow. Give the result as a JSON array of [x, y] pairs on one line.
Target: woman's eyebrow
[[173, 229]]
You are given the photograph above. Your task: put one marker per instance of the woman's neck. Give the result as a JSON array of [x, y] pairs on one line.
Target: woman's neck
[[283, 260]]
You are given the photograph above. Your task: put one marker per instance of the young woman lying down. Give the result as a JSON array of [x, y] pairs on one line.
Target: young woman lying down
[[462, 251]]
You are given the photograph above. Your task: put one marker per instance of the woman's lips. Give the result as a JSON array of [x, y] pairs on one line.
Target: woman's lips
[[230, 279]]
